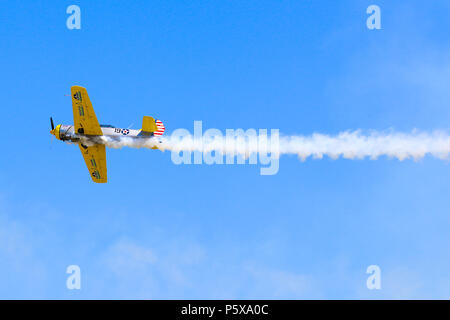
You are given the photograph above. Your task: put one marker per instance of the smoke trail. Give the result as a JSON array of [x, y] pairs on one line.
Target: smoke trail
[[348, 145]]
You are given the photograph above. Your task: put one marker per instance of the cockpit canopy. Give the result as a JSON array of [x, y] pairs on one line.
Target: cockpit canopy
[[106, 126]]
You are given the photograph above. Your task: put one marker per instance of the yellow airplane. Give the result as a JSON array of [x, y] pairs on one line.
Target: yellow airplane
[[86, 132]]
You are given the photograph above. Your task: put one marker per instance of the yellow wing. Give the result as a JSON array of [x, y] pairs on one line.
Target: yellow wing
[[84, 118], [95, 158]]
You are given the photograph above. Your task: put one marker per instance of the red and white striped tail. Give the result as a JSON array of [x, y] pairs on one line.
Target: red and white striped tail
[[160, 127]]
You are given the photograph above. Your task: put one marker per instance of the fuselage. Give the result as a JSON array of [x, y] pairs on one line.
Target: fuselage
[[67, 133]]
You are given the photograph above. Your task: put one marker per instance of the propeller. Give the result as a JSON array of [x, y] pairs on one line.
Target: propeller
[[52, 132]]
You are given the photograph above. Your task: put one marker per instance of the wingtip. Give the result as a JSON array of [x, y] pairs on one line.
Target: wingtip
[[75, 87]]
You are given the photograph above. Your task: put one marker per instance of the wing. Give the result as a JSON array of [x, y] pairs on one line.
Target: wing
[[95, 158], [84, 118]]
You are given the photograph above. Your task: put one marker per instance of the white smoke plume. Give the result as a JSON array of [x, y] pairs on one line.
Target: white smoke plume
[[348, 145]]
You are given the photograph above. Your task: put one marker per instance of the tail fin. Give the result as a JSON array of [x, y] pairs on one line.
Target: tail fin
[[148, 125]]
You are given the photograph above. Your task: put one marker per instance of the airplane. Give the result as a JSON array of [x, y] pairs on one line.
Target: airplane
[[86, 131]]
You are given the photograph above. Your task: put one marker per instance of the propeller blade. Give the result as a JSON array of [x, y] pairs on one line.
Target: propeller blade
[[52, 124]]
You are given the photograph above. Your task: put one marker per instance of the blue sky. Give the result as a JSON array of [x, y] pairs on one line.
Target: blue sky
[[162, 231]]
